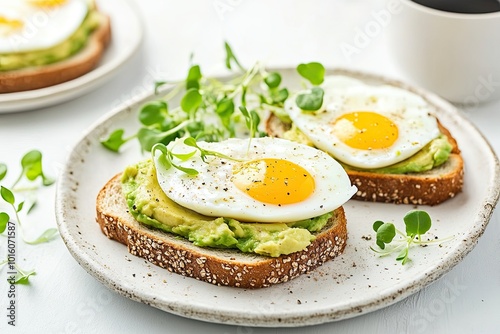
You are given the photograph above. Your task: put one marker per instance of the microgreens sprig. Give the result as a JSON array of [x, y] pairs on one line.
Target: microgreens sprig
[[166, 157], [231, 58], [32, 169], [417, 223], [21, 277], [209, 109], [190, 141]]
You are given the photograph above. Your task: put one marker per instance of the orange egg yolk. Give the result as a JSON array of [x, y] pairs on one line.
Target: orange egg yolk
[[365, 130], [273, 181]]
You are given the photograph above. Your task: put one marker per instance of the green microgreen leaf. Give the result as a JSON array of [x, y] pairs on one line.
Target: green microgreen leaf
[[244, 90], [417, 222], [163, 158], [7, 195], [254, 125], [311, 100], [188, 171], [31, 207], [377, 224], [47, 181], [252, 120], [3, 171], [31, 163], [23, 277], [191, 101], [225, 109], [231, 58], [273, 80], [314, 72], [46, 236], [190, 141], [280, 96], [164, 161], [193, 78], [153, 112], [157, 86], [20, 206], [184, 156], [114, 141], [403, 255], [385, 233], [4, 219], [245, 113]]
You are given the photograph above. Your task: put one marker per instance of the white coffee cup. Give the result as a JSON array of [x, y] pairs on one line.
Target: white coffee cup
[[454, 55]]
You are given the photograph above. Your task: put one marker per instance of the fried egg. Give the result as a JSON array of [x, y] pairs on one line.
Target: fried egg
[[31, 25], [272, 180], [367, 126]]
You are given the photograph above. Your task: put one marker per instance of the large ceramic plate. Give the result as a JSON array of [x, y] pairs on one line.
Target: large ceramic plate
[[126, 36], [355, 283]]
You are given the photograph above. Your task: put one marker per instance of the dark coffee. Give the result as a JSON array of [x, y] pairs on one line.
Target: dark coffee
[[463, 6]]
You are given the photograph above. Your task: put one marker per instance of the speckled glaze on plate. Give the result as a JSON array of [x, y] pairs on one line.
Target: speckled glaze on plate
[[355, 283]]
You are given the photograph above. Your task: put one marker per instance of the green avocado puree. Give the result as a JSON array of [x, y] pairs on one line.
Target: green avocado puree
[[431, 155], [16, 61], [150, 206]]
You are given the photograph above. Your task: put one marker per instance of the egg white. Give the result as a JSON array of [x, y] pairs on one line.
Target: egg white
[[212, 192], [42, 27], [411, 113]]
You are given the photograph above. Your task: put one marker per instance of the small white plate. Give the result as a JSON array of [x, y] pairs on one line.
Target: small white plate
[[126, 35], [355, 283]]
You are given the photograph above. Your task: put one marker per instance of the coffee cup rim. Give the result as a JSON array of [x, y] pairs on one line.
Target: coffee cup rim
[[438, 12]]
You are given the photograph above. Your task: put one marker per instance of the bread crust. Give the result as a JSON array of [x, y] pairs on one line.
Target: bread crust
[[48, 75], [217, 266], [428, 188]]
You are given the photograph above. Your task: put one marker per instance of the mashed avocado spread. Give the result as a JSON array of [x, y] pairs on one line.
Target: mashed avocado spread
[[432, 155], [150, 206], [15, 61]]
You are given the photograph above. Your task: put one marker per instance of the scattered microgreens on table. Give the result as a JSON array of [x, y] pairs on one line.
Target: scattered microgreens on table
[[32, 170], [212, 109], [417, 224]]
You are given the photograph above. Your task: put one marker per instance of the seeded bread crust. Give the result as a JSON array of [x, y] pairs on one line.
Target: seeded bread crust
[[216, 266], [428, 188], [48, 75]]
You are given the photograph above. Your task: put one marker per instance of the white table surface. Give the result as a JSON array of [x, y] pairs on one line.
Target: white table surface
[[64, 298]]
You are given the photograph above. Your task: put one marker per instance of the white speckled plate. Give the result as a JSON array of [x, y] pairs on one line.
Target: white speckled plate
[[355, 283], [126, 35]]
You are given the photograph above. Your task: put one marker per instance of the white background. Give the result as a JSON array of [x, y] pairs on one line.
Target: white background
[[64, 298]]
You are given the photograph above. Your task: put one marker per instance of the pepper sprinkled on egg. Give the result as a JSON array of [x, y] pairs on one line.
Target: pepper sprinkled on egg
[[272, 180]]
